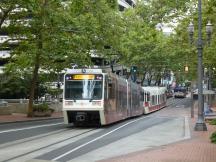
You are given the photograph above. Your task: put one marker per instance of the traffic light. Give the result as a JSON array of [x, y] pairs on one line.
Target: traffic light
[[186, 69], [133, 73], [133, 69]]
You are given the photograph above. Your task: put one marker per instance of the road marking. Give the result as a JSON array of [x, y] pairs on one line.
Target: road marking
[[187, 129], [180, 106], [14, 130], [83, 145]]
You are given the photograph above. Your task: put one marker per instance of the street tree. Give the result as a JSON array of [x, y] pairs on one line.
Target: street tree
[[6, 8], [57, 34], [38, 38], [148, 47]]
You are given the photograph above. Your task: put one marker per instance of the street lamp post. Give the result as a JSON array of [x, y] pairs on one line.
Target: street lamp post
[[191, 32], [200, 124], [209, 30]]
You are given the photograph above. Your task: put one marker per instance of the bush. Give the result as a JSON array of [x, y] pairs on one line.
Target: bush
[[213, 122], [41, 107], [213, 137]]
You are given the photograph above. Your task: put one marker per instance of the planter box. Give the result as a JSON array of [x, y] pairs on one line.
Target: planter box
[[5, 110], [42, 113]]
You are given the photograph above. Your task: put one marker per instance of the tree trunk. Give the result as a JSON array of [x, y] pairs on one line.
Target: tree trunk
[[143, 79], [39, 40], [149, 80], [158, 80], [5, 14], [32, 88], [35, 76]]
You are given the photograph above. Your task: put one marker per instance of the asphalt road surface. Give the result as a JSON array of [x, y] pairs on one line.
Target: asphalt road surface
[[51, 140]]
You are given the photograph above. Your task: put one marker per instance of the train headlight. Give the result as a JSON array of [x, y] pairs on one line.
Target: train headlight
[[68, 103], [96, 103]]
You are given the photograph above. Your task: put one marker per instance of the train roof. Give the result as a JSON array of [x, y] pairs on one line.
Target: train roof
[[155, 90], [78, 71], [93, 71]]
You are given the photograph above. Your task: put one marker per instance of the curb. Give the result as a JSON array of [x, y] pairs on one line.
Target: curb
[[30, 120]]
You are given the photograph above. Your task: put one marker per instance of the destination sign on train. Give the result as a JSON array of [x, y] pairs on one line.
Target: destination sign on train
[[84, 77], [81, 77]]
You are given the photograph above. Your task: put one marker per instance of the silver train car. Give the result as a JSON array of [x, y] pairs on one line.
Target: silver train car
[[154, 98], [93, 96]]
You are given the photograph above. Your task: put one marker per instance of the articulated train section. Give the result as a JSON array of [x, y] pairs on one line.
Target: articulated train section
[[94, 96]]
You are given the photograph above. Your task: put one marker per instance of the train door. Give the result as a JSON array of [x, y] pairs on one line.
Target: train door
[[158, 99], [131, 98], [128, 99], [142, 100], [110, 99], [106, 93], [146, 102]]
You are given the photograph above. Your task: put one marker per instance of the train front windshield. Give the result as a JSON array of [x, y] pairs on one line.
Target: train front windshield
[[180, 89], [83, 86]]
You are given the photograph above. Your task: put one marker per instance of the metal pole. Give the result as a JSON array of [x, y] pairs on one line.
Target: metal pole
[[192, 103], [210, 79], [210, 86], [200, 124], [191, 32]]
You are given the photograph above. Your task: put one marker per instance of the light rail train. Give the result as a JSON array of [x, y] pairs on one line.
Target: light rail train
[[180, 92], [93, 96]]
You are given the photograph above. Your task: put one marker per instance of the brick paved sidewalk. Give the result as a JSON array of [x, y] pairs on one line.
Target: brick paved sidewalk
[[16, 117], [197, 149]]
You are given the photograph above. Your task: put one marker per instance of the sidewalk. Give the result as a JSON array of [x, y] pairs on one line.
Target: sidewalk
[[16, 117], [197, 149]]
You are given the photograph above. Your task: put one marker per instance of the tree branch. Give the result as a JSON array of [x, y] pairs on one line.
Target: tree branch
[[11, 39], [5, 14]]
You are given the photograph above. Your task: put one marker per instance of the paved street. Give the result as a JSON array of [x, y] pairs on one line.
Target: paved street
[[52, 140]]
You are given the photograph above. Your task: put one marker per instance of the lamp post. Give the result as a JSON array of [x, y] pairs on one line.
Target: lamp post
[[200, 124], [191, 32], [209, 30]]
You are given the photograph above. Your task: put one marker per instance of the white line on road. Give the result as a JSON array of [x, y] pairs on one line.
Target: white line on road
[[14, 130], [83, 145], [187, 129]]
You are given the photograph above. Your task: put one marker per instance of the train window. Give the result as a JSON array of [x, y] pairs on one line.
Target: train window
[[147, 97], [155, 100], [112, 89], [83, 89], [152, 100], [142, 95], [106, 88], [110, 82]]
